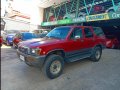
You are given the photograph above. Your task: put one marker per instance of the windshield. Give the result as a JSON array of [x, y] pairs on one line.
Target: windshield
[[60, 32]]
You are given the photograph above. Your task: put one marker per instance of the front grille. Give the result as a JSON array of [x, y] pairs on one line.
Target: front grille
[[24, 50]]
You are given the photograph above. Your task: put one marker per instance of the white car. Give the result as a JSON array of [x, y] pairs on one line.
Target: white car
[[72, 15], [112, 9]]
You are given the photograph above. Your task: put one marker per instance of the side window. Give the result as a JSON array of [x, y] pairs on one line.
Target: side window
[[98, 31], [77, 33], [88, 33]]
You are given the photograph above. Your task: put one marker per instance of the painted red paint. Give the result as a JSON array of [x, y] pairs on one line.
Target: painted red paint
[[1, 41], [112, 42], [67, 45]]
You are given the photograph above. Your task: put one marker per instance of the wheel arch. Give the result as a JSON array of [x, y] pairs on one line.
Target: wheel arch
[[60, 52]]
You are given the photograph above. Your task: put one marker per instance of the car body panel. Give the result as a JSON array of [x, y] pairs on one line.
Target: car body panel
[[112, 43]]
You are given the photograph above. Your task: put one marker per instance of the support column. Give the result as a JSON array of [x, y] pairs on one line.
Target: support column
[[77, 8]]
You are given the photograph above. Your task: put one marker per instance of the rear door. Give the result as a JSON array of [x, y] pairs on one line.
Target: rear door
[[89, 40], [99, 36]]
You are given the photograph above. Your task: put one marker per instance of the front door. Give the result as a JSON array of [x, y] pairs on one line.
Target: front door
[[76, 45]]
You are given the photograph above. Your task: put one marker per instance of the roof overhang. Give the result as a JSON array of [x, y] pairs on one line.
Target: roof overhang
[[48, 3]]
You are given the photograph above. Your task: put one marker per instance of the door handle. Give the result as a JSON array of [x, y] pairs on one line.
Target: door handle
[[82, 40]]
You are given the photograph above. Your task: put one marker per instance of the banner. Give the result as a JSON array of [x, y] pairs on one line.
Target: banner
[[97, 17], [114, 15], [65, 21]]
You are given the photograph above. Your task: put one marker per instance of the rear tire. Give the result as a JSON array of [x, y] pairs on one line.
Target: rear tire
[[97, 52], [53, 66], [111, 11]]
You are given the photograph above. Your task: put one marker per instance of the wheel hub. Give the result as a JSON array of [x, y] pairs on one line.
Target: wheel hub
[[55, 67]]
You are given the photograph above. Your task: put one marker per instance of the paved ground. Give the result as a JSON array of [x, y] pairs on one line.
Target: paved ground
[[81, 75]]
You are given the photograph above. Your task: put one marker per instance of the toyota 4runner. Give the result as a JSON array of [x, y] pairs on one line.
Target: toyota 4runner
[[62, 44]]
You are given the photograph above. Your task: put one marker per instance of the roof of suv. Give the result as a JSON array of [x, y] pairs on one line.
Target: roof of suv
[[75, 26]]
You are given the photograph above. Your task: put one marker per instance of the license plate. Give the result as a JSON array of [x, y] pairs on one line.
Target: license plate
[[22, 58]]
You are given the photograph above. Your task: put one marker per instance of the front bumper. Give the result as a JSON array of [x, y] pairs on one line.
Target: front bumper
[[33, 60]]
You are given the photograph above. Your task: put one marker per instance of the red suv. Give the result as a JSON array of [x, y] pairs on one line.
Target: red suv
[[63, 44]]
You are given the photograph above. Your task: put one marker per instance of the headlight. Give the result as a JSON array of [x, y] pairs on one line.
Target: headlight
[[33, 51], [36, 51]]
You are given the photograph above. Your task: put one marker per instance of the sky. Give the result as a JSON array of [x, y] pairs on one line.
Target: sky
[[23, 6]]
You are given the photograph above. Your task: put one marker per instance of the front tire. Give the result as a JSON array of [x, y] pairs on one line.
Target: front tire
[[97, 52], [53, 66], [7, 42], [14, 46]]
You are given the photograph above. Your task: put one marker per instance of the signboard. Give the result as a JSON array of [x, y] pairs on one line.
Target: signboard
[[65, 21], [114, 15], [49, 23], [78, 20], [97, 17]]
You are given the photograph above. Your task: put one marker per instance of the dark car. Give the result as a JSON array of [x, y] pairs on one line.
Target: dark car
[[63, 44], [8, 36], [23, 36]]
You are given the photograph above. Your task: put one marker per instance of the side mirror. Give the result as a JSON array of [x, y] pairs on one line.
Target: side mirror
[[77, 37]]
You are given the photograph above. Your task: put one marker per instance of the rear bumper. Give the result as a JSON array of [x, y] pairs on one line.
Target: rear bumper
[[33, 60]]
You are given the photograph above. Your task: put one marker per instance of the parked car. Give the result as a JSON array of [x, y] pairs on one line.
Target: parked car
[[72, 15], [23, 36], [8, 36], [114, 9], [43, 34], [63, 44], [112, 42], [97, 9], [41, 31], [1, 41]]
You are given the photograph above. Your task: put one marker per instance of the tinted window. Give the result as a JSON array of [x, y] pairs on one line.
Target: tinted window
[[28, 36], [60, 32], [76, 33], [98, 31], [88, 33]]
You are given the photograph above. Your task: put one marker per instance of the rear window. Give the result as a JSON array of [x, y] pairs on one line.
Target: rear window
[[98, 31]]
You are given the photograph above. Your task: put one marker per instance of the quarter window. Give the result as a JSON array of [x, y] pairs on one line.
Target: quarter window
[[98, 31]]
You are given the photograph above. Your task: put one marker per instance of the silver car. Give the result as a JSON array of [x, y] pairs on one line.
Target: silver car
[[72, 15], [112, 9]]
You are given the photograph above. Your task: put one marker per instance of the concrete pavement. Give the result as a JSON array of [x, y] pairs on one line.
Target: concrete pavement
[[80, 75]]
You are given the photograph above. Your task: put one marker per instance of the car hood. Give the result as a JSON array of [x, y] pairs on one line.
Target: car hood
[[37, 42]]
